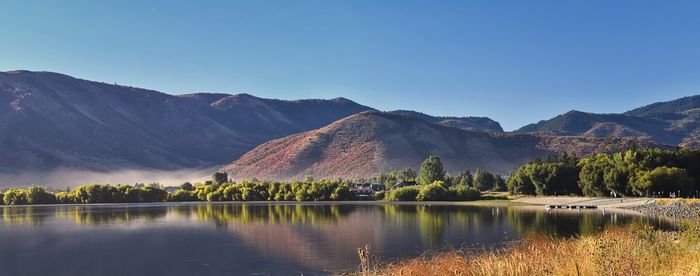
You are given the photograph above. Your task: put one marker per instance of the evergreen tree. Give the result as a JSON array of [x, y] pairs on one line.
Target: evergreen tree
[[483, 180], [219, 178], [465, 178], [187, 186], [408, 174], [431, 170], [499, 185]]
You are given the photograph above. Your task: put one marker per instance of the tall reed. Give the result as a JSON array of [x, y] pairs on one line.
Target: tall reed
[[636, 249]]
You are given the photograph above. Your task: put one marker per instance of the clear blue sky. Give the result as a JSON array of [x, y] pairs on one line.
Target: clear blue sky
[[514, 61]]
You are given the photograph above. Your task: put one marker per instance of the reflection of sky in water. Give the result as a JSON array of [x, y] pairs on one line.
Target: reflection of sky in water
[[227, 239]]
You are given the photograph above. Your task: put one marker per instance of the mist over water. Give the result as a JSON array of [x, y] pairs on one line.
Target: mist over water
[[64, 178]]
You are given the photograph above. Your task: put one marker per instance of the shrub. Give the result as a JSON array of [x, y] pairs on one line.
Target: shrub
[[343, 193], [432, 192], [464, 193], [379, 195], [215, 196], [37, 195], [232, 192], [66, 198], [183, 195], [403, 194], [15, 196], [152, 194]]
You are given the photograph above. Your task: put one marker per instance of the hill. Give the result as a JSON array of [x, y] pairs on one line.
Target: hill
[[674, 122], [49, 120], [677, 106], [368, 143], [469, 123]]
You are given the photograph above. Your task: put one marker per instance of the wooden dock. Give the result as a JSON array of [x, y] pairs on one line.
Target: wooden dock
[[571, 206]]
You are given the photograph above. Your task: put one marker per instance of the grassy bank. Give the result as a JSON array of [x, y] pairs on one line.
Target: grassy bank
[[632, 250], [674, 200]]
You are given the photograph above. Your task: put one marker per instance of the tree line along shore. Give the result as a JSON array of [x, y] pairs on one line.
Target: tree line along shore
[[431, 184], [636, 172], [633, 173]]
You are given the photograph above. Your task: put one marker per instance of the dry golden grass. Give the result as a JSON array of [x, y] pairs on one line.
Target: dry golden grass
[[673, 200], [633, 250]]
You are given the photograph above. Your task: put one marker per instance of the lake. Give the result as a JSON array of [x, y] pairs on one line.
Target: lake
[[263, 238]]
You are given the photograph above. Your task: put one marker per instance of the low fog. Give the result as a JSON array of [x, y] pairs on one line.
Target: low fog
[[60, 179]]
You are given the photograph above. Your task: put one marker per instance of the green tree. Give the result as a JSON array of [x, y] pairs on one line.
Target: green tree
[[152, 194], [37, 195], [662, 180], [500, 184], [592, 175], [408, 174], [387, 178], [465, 178], [432, 192], [187, 186], [15, 196], [431, 170], [219, 178], [520, 183], [483, 180], [403, 194], [66, 198]]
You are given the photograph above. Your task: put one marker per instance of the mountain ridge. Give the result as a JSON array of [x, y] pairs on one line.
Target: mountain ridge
[[51, 121], [675, 122], [368, 143], [470, 122]]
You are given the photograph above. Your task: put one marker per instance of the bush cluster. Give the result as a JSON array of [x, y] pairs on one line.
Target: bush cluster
[[91, 193], [321, 190], [437, 191]]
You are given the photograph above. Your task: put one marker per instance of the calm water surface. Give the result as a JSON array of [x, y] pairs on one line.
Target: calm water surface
[[261, 238]]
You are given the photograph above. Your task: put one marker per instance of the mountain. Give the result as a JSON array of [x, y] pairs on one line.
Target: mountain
[[677, 106], [674, 122], [469, 123], [368, 143], [49, 120]]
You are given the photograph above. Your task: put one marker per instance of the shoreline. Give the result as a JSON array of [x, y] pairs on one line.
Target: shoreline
[[600, 202], [677, 209], [670, 208]]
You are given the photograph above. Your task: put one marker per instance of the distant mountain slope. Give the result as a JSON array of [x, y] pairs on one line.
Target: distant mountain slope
[[674, 122], [675, 106], [50, 120], [470, 123], [368, 143]]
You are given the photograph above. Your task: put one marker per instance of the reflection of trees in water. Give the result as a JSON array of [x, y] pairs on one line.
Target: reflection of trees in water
[[433, 221], [565, 223], [110, 215], [560, 223], [432, 226], [220, 214], [430, 221], [84, 215], [223, 214], [31, 215]]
